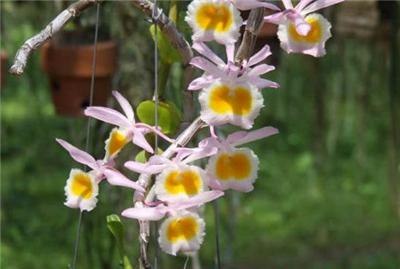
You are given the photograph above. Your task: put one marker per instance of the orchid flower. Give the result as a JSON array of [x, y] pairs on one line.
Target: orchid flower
[[176, 180], [127, 129], [182, 230], [300, 31], [81, 190], [230, 167], [161, 209], [217, 20], [82, 187], [230, 92], [98, 166], [216, 69]]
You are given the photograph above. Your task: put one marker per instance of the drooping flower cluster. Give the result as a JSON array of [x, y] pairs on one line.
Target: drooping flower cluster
[[230, 93]]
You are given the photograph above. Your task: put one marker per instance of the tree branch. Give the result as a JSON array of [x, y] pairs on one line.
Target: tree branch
[[249, 39], [22, 55], [168, 28]]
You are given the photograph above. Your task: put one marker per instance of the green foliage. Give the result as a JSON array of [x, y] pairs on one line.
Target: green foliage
[[168, 53], [143, 156], [116, 227], [169, 117]]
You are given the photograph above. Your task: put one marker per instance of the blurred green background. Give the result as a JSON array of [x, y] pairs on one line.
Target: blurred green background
[[327, 195]]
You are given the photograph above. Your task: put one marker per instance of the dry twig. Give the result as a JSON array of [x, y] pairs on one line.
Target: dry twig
[[22, 55]]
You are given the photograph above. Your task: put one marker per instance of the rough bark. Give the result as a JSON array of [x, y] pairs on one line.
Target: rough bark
[[22, 55]]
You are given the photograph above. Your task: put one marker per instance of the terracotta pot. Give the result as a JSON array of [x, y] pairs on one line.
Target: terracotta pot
[[3, 68], [70, 69]]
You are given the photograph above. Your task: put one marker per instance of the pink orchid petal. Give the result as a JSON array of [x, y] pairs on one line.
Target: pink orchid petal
[[139, 140], [209, 142], [197, 200], [319, 4], [182, 153], [206, 66], [200, 154], [260, 70], [250, 4], [277, 18], [302, 27], [200, 83], [230, 52], [260, 56], [242, 137], [79, 155], [117, 179], [155, 130], [107, 115], [287, 4], [263, 83], [302, 4], [145, 213], [143, 168], [126, 107], [201, 48]]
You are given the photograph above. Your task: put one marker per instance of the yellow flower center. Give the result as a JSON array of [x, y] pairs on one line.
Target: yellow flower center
[[313, 36], [236, 166], [187, 182], [184, 228], [224, 100], [116, 142], [214, 17], [82, 185]]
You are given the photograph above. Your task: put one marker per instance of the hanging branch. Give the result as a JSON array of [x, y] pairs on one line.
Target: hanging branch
[[22, 55], [177, 41], [144, 180], [254, 23], [168, 28]]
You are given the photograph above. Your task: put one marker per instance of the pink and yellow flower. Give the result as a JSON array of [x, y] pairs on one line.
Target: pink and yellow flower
[[81, 190], [211, 20], [183, 232], [300, 30], [238, 104], [128, 129]]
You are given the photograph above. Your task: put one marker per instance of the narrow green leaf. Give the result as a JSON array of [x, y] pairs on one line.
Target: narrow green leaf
[[168, 53], [116, 227]]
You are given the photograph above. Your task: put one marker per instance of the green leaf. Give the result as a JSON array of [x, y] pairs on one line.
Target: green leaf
[[143, 156], [116, 227], [169, 117], [167, 52]]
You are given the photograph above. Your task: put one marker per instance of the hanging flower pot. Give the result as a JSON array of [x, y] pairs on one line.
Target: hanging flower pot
[[3, 68], [69, 67]]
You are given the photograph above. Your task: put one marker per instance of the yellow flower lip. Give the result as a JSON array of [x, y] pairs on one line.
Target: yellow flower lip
[[183, 182], [235, 166], [224, 99], [313, 36], [81, 185], [182, 229], [116, 141], [212, 16]]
